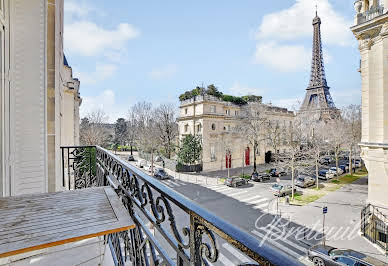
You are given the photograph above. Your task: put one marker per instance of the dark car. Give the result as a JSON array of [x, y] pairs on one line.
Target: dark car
[[260, 177], [131, 158], [344, 168], [327, 255], [304, 181], [161, 174], [276, 173], [235, 181]]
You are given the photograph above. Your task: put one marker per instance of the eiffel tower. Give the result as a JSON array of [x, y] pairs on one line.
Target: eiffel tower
[[318, 101]]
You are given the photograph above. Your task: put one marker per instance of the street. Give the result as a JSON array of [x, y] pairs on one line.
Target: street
[[254, 209]]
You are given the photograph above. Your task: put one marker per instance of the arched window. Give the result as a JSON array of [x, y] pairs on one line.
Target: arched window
[[213, 126]]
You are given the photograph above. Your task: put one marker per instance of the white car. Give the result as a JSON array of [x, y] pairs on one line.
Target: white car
[[333, 170], [148, 167], [141, 163]]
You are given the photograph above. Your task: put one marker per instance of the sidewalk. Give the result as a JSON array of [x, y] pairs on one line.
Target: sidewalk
[[342, 221]]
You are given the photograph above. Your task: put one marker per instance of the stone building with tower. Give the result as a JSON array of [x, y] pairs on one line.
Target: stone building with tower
[[371, 30], [318, 101], [214, 120]]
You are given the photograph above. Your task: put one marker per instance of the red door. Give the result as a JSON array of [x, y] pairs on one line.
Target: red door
[[247, 156]]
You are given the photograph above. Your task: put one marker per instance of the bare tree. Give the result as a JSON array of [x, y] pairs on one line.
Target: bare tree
[[297, 158], [165, 116], [92, 130], [146, 129], [317, 142], [131, 128], [352, 117], [252, 126], [335, 131], [274, 134]]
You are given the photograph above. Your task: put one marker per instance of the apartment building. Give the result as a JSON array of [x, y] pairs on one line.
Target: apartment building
[[371, 31], [215, 121], [39, 98]]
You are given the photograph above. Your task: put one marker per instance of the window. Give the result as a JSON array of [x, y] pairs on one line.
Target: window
[[199, 127], [186, 128], [212, 153], [227, 112], [213, 108], [213, 126], [236, 113], [345, 260], [185, 111], [228, 127], [383, 237]]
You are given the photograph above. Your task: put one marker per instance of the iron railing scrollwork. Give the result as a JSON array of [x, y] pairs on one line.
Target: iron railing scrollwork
[[159, 238], [374, 226]]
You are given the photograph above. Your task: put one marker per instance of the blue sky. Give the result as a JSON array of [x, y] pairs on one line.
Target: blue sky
[[155, 50]]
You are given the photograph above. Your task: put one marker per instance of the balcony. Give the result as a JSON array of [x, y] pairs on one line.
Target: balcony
[[373, 12], [169, 228], [374, 226]]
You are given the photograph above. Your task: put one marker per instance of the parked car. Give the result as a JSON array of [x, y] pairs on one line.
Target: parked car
[[277, 173], [161, 174], [281, 190], [304, 181], [235, 181], [260, 177], [357, 163], [334, 171], [158, 159], [344, 168], [148, 167], [141, 163], [325, 174], [327, 255], [131, 158], [326, 160]]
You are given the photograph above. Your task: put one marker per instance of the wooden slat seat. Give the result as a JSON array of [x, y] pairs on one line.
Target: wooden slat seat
[[38, 221]]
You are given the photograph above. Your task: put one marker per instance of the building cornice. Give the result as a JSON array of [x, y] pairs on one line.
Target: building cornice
[[373, 145]]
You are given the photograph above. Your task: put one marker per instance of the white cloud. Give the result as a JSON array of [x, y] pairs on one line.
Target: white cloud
[[105, 101], [101, 73], [88, 39], [164, 72], [346, 97], [295, 22], [282, 57], [239, 90], [80, 9]]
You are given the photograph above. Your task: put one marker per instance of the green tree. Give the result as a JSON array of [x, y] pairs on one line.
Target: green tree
[[190, 149], [120, 131]]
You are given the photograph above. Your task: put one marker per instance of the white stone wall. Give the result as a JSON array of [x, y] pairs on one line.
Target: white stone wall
[[220, 139], [373, 40]]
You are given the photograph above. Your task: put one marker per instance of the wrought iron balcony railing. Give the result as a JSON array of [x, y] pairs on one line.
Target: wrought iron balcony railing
[[370, 14], [184, 232], [374, 226]]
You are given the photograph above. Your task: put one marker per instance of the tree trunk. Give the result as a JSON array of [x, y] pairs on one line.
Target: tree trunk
[[316, 173], [254, 157], [152, 162], [336, 161], [350, 162], [131, 150], [292, 180]]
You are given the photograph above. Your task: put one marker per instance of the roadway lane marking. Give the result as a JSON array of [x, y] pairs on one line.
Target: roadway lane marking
[[236, 253], [265, 205], [223, 189], [251, 198], [278, 245], [258, 201], [293, 244], [225, 260], [235, 193]]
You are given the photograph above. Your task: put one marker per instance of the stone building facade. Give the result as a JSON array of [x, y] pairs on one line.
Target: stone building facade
[[34, 109], [214, 120], [371, 31]]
